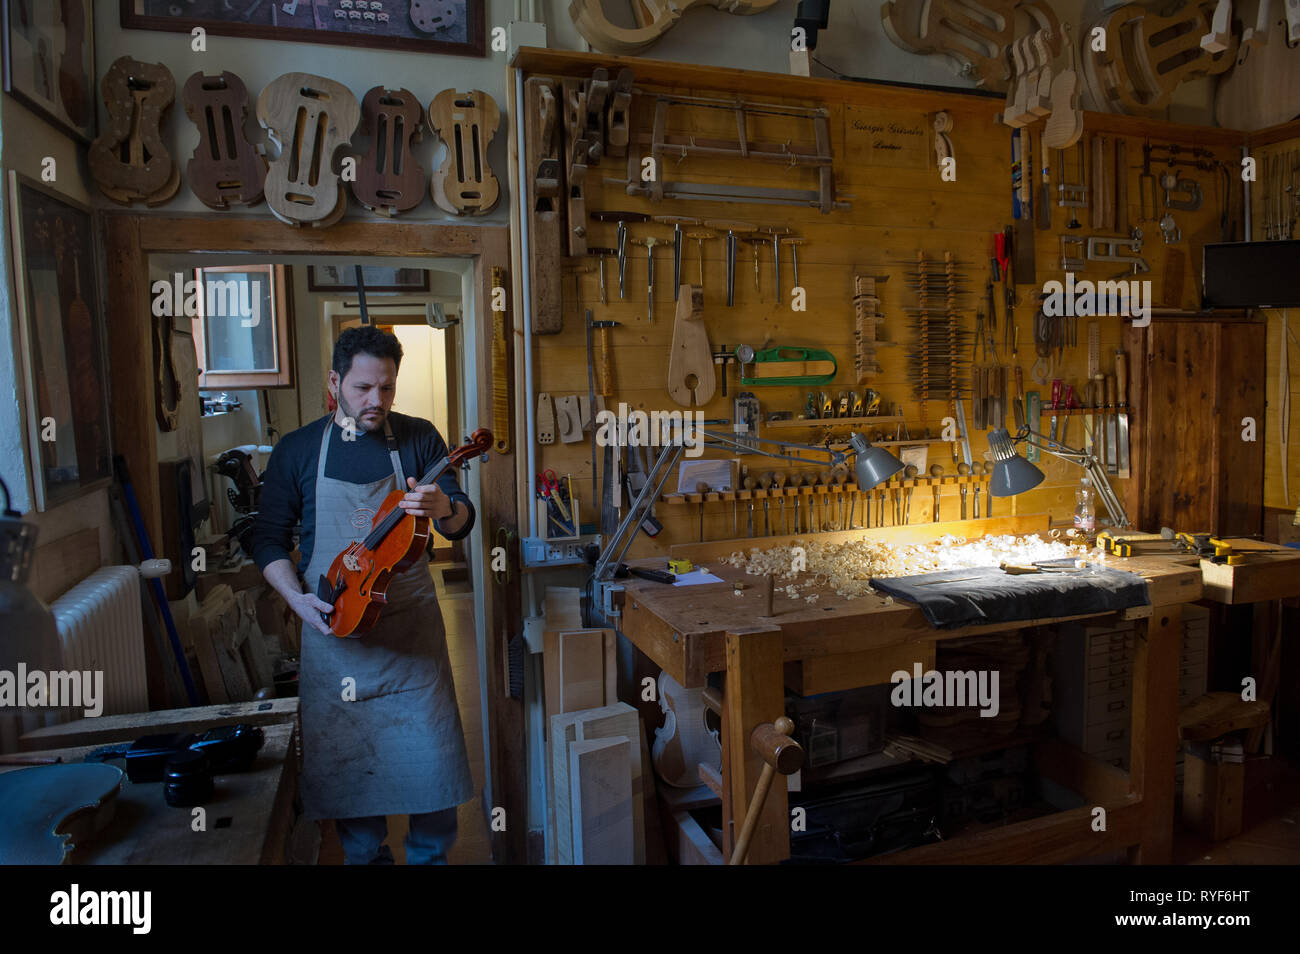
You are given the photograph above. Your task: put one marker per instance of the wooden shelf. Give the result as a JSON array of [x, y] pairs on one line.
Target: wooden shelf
[[833, 421]]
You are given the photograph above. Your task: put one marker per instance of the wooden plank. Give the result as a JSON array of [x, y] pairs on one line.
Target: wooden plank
[[692, 846], [601, 801], [1065, 836], [754, 695], [580, 670], [1154, 732], [818, 674], [135, 429], [121, 728], [609, 721], [61, 564], [1097, 781]]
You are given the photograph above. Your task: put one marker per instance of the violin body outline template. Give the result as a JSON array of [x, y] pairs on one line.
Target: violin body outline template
[[466, 122], [129, 161], [226, 169], [311, 119], [389, 179]]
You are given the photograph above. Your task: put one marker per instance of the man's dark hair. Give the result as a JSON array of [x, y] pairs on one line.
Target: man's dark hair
[[365, 340]]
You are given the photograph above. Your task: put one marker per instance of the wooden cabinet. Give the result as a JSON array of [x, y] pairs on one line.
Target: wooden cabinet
[[1194, 382]]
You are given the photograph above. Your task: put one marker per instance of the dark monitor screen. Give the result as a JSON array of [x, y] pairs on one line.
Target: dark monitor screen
[[1251, 274]]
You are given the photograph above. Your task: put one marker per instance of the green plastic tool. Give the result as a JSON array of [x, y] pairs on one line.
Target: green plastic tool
[[792, 356]]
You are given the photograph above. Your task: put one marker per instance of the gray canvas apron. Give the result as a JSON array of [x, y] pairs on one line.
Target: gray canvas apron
[[399, 748]]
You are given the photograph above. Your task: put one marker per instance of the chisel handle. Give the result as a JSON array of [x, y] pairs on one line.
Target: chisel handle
[[1121, 378]]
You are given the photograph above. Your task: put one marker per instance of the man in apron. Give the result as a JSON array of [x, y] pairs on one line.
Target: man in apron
[[380, 727]]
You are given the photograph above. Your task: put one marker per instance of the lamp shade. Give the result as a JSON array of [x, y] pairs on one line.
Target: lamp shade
[[1012, 474], [873, 465]]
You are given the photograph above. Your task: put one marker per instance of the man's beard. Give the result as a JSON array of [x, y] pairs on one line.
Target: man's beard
[[361, 422]]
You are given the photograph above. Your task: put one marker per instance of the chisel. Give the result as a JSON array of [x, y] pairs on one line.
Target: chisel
[[622, 218], [677, 221], [1121, 398]]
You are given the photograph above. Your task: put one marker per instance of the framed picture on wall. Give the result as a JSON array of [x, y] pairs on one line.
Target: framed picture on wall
[[378, 278], [418, 26], [64, 359], [50, 61]]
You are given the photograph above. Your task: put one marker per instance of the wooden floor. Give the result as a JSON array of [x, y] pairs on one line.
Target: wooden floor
[[472, 843]]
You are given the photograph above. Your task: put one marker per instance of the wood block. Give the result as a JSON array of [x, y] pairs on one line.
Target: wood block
[[580, 670], [600, 792], [1218, 713]]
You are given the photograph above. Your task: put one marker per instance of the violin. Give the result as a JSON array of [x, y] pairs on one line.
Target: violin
[[389, 180], [129, 161], [226, 170], [311, 119], [466, 122], [357, 581]]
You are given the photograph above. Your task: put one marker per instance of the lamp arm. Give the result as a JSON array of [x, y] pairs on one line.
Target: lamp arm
[[721, 440], [1089, 462]]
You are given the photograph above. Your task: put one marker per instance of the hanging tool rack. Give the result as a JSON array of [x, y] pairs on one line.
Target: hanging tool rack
[[938, 366], [664, 145]]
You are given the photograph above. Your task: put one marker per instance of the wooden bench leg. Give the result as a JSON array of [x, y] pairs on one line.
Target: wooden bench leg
[[1155, 731], [1213, 790], [755, 693]]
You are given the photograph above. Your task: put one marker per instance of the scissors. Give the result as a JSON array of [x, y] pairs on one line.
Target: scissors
[[548, 486]]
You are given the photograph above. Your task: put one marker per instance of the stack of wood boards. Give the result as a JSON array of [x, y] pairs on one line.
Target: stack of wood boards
[[234, 655], [596, 776]]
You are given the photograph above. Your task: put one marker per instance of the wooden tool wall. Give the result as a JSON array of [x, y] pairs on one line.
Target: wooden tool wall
[[883, 145]]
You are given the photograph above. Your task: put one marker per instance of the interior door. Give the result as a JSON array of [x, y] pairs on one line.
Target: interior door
[[1201, 382]]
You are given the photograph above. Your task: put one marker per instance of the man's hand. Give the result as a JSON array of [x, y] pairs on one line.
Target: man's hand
[[425, 501], [309, 606]]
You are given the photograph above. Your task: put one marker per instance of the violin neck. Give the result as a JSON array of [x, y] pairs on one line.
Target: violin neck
[[397, 514]]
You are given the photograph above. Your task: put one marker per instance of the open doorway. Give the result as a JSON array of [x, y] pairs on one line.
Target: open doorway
[[132, 240]]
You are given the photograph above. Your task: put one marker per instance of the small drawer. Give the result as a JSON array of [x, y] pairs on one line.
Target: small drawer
[[1107, 708], [1105, 735]]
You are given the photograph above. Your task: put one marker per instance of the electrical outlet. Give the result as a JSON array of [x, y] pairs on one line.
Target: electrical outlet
[[541, 552]]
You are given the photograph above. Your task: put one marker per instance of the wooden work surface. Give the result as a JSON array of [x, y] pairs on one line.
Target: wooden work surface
[[249, 816], [683, 628]]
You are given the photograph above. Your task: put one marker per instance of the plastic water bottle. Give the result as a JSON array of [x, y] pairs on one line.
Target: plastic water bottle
[[1085, 520]]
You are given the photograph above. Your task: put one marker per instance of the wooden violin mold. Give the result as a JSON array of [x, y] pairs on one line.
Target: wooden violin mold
[[129, 161], [974, 34], [466, 122], [389, 180], [226, 169], [312, 120], [653, 20]]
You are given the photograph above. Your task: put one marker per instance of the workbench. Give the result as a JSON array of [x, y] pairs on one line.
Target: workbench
[[249, 818], [836, 644]]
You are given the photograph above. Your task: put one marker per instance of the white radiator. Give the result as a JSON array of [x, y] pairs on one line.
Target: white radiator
[[100, 628]]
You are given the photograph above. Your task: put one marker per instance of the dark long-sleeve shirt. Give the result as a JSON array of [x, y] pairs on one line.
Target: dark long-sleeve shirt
[[289, 487]]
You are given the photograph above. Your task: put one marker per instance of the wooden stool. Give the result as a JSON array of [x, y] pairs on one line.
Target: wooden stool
[[1214, 771]]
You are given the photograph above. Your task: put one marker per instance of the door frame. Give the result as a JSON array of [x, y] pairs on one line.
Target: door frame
[[129, 240]]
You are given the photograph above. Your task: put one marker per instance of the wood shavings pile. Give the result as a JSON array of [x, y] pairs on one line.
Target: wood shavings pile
[[848, 567]]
